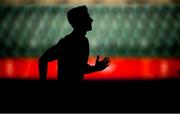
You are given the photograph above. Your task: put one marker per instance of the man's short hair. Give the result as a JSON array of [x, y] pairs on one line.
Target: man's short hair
[[75, 15]]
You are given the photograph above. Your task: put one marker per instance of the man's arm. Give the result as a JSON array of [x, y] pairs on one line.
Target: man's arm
[[50, 55], [99, 66]]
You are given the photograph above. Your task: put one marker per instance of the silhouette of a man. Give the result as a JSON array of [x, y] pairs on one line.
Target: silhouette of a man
[[72, 51]]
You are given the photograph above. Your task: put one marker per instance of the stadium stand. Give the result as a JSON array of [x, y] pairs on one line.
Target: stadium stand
[[130, 30]]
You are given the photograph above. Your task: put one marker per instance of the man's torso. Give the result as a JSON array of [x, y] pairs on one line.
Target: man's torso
[[74, 52]]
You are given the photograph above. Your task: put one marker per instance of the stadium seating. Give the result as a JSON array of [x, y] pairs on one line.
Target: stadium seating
[[129, 30]]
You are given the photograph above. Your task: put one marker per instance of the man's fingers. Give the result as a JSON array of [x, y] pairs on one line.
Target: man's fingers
[[97, 59], [106, 63], [106, 60]]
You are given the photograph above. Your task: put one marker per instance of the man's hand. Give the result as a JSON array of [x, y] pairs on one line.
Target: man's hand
[[101, 65]]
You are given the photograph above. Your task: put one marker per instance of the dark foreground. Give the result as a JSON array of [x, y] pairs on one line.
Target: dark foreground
[[90, 96]]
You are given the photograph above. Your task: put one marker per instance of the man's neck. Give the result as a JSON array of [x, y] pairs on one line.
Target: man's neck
[[79, 33]]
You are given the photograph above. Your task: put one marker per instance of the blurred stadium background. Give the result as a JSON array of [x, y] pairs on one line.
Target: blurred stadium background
[[140, 36]]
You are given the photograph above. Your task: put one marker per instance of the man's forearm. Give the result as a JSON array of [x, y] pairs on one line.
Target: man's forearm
[[42, 69]]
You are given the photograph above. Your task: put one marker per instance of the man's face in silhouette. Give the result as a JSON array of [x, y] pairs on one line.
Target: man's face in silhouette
[[86, 22]]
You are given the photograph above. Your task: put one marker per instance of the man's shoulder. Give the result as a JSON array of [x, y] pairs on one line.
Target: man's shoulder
[[63, 40], [70, 39]]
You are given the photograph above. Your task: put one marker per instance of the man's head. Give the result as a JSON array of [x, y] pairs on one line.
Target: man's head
[[79, 18]]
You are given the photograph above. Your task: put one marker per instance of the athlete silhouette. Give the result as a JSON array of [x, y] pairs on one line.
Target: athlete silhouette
[[72, 51]]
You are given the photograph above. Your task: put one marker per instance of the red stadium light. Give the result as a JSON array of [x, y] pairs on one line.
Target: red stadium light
[[120, 68]]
